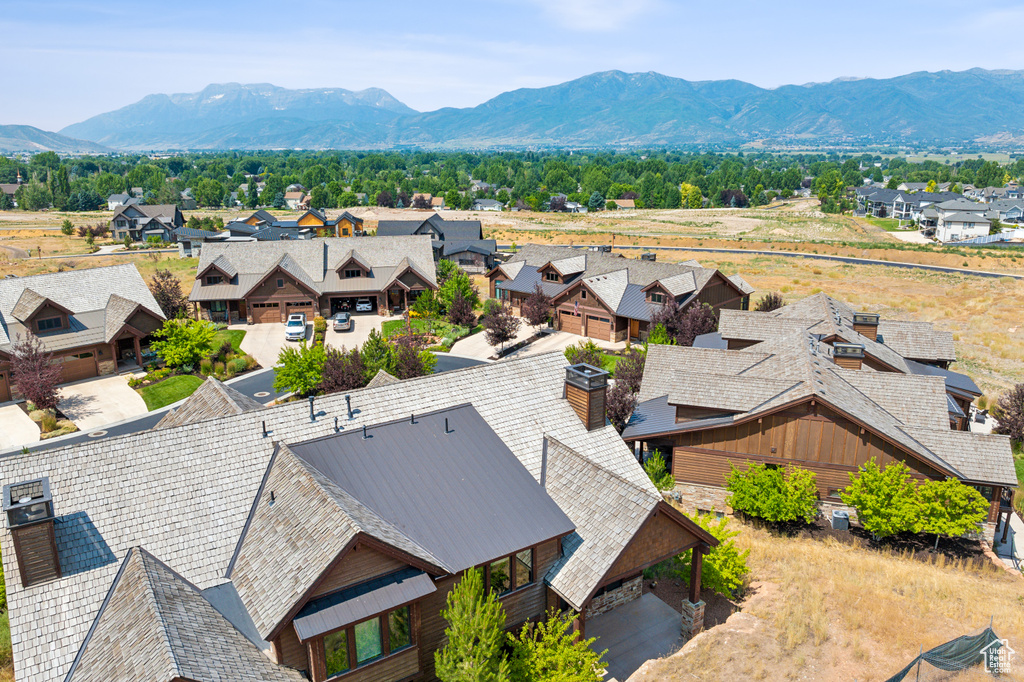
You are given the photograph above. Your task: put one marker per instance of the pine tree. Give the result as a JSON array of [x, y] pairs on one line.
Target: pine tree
[[551, 651], [475, 634]]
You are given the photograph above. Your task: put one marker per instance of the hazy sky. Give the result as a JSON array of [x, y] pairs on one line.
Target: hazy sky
[[66, 61]]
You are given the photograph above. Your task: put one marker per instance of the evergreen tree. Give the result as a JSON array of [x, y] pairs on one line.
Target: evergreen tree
[[550, 651], [475, 634]]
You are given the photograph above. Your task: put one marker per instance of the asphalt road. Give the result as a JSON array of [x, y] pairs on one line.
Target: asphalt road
[[259, 385], [817, 256]]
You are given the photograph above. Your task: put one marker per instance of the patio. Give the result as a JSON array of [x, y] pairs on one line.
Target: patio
[[636, 632]]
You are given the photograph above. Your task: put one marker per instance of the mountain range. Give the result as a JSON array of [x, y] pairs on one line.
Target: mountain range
[[20, 138], [609, 109]]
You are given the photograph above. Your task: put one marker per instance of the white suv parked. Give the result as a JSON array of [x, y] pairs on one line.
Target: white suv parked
[[295, 327]]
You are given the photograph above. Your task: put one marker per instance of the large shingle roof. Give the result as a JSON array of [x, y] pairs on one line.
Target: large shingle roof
[[186, 492], [80, 291], [158, 626], [212, 399]]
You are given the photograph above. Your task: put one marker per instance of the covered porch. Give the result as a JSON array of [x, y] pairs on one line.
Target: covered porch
[[634, 633], [131, 351]]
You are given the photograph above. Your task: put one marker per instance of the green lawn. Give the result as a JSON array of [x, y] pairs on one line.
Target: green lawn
[[235, 336], [608, 362], [169, 391], [441, 328], [888, 224]]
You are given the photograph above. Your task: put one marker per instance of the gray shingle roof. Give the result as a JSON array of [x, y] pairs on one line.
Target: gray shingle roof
[[314, 262], [897, 406], [84, 292], [382, 378], [186, 492], [917, 340], [158, 626], [455, 230], [28, 303], [212, 399]]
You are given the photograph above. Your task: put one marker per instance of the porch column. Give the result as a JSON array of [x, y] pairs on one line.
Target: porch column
[[138, 350], [579, 625], [693, 607]]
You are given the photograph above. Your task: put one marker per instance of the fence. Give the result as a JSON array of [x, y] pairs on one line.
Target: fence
[[965, 652]]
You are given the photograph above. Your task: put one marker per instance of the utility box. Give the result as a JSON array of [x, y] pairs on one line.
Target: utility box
[[840, 520]]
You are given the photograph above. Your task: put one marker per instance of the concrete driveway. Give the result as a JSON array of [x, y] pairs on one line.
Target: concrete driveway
[[476, 346], [561, 340], [16, 429], [93, 403], [265, 341]]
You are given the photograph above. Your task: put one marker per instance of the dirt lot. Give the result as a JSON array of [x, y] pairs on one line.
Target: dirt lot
[[821, 609]]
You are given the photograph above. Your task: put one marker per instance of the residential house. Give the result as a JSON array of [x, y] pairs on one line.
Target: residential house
[[312, 222], [922, 186], [240, 543], [487, 205], [437, 203], [115, 200], [460, 241], [794, 399], [606, 296], [265, 281], [95, 321], [956, 226], [139, 222], [427, 198], [625, 204], [897, 346], [1006, 211], [296, 200]]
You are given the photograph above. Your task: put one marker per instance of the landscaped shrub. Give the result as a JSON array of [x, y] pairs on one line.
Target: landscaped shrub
[[621, 404], [1010, 412], [949, 508], [584, 352], [630, 369], [491, 306], [551, 650], [48, 422], [885, 499], [251, 362], [205, 366], [319, 324], [238, 365], [769, 302], [224, 351], [218, 368], [724, 568], [658, 473], [774, 494]]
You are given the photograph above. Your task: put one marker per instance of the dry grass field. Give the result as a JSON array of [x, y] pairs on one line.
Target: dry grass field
[[823, 610]]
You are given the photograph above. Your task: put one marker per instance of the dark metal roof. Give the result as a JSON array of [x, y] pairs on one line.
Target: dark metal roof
[[239, 227], [461, 495], [955, 381], [527, 279], [711, 340], [484, 247], [362, 601], [954, 409], [634, 304], [192, 233], [451, 230], [653, 416]]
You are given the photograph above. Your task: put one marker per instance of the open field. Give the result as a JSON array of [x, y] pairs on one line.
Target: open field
[[823, 610]]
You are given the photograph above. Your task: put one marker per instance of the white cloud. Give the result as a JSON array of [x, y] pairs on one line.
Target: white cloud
[[595, 15]]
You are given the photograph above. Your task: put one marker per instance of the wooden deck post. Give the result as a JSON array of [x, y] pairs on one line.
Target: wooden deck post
[[693, 607]]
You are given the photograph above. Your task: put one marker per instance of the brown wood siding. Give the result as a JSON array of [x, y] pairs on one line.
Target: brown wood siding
[[144, 322], [47, 311], [820, 440], [432, 625], [848, 362], [293, 652], [529, 602], [5, 387], [589, 406], [993, 508], [413, 281], [359, 565], [659, 537], [720, 294], [310, 219], [656, 290], [393, 668], [35, 548]]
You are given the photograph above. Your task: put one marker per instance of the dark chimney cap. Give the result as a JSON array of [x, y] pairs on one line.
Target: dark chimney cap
[[866, 318], [28, 502], [586, 376], [848, 350]]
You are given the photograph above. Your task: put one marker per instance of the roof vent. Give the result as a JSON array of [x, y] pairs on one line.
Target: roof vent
[[848, 355], [28, 507]]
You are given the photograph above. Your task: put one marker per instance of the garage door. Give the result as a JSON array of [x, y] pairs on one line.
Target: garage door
[[79, 366], [599, 327], [570, 323], [5, 387], [266, 312], [299, 307]]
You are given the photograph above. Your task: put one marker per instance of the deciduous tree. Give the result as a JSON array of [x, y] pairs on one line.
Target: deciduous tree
[[501, 327], [949, 508], [551, 651], [167, 291], [1010, 414], [460, 311], [537, 307], [772, 494], [621, 403], [458, 283], [300, 369], [183, 342], [885, 499], [342, 371], [34, 373], [724, 567], [629, 371]]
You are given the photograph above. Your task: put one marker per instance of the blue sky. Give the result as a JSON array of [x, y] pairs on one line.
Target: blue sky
[[66, 61]]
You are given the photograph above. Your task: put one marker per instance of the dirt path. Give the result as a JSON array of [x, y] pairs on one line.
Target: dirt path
[[14, 252]]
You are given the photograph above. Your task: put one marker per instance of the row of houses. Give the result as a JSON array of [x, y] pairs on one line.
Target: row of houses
[[945, 215]]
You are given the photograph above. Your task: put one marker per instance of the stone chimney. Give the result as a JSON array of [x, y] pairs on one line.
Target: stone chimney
[[866, 324], [585, 389], [848, 355], [28, 507]]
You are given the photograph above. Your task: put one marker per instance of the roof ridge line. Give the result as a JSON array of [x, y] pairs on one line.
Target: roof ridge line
[[151, 597]]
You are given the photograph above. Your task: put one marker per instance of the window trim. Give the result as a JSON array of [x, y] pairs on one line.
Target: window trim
[[280, 282], [59, 325], [657, 297], [486, 568], [550, 276], [214, 279], [351, 273], [384, 626]]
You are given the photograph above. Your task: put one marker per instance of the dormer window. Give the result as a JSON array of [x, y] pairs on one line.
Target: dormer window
[[214, 279], [551, 276], [48, 324], [657, 298], [356, 272]]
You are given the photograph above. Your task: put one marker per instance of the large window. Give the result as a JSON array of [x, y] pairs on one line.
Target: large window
[[214, 279], [336, 652], [363, 643], [48, 324], [353, 273], [510, 573]]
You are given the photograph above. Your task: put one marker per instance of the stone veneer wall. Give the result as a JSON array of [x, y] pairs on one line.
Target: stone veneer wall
[[627, 592]]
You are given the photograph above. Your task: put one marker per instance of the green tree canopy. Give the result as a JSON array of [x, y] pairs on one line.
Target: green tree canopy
[[181, 341], [300, 369], [475, 636]]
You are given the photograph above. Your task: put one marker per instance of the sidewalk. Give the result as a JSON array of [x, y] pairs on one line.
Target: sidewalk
[[1012, 551]]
